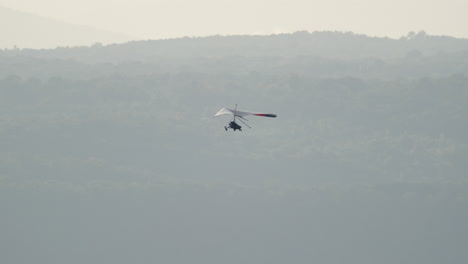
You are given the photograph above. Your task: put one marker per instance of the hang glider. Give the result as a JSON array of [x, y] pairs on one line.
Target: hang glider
[[240, 114]]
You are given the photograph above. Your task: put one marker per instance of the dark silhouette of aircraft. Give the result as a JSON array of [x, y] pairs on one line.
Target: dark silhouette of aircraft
[[234, 126]]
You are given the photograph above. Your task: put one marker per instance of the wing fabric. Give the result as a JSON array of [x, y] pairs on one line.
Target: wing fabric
[[227, 111], [266, 115], [224, 111]]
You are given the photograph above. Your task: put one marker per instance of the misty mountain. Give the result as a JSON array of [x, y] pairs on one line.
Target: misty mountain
[[25, 30], [111, 154], [316, 54], [330, 45]]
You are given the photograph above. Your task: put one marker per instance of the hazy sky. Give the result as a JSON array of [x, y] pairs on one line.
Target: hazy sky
[[150, 19]]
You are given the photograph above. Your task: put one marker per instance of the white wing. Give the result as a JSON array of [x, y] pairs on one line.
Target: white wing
[[227, 111], [224, 111]]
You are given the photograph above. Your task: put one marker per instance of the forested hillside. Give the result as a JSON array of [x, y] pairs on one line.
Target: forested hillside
[[369, 148]]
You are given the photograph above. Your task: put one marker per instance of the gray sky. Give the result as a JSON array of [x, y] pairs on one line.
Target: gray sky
[[153, 19]]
